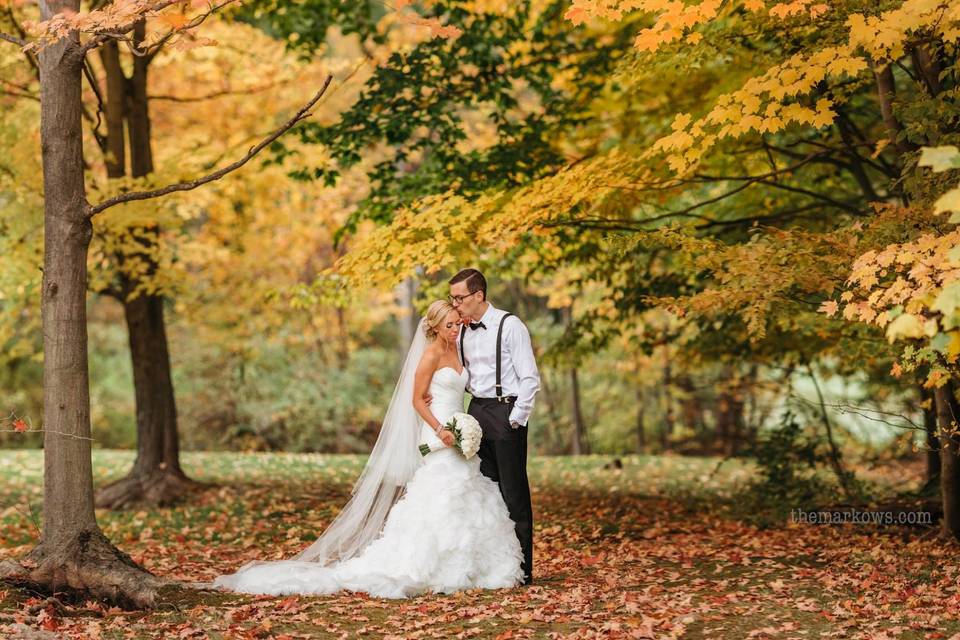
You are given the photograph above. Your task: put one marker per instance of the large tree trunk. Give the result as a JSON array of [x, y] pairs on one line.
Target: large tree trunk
[[156, 478], [948, 416], [73, 553]]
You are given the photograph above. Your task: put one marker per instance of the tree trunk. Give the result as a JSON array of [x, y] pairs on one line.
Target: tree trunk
[[667, 430], [73, 553], [933, 442], [692, 410], [579, 445], [550, 402], [407, 324], [948, 414], [156, 478], [641, 432]]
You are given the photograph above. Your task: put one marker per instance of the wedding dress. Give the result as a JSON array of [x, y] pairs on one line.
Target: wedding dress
[[449, 531]]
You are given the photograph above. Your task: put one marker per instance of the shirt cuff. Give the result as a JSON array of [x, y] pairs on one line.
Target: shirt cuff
[[519, 416]]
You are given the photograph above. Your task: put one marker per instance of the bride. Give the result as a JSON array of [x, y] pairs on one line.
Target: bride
[[414, 523]]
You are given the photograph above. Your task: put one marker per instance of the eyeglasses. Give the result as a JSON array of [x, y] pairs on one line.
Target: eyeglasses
[[458, 300]]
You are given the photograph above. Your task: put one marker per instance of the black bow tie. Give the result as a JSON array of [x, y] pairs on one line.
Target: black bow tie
[[477, 325]]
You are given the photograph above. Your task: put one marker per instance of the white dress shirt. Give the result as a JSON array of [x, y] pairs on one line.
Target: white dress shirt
[[518, 369]]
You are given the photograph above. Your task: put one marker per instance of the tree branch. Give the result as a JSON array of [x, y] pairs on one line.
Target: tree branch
[[14, 39], [216, 175], [120, 33], [218, 94]]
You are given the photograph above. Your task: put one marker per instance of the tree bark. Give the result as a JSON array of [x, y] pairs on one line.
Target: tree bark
[[641, 432], [579, 445], [948, 414], [667, 430], [933, 442], [156, 478], [886, 92], [73, 553]]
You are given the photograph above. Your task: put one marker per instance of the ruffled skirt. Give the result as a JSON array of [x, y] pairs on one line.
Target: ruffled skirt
[[450, 531]]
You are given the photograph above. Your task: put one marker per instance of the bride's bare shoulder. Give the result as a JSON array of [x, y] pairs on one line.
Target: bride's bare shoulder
[[431, 356]]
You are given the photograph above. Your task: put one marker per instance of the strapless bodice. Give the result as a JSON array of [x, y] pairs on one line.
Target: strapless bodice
[[447, 388]]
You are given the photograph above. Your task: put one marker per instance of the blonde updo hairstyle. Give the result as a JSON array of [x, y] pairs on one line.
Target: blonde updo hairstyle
[[436, 314]]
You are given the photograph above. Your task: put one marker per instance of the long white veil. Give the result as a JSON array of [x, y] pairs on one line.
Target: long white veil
[[392, 462]]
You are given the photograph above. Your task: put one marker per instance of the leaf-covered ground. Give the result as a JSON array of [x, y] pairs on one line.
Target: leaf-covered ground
[[647, 551]]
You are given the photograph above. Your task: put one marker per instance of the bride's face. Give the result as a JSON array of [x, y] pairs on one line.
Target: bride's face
[[451, 326]]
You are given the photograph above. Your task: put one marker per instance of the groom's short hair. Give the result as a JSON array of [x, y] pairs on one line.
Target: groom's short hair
[[474, 279]]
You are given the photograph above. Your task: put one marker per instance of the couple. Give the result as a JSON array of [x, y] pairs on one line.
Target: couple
[[439, 522]]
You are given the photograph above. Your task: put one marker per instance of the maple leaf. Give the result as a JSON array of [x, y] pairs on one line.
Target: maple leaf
[[828, 307], [20, 425]]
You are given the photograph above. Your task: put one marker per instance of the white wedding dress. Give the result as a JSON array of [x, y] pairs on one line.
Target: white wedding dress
[[449, 531]]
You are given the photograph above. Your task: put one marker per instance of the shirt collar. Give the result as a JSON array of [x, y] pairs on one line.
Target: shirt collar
[[489, 315]]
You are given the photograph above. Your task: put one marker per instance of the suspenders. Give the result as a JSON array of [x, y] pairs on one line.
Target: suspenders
[[498, 386]]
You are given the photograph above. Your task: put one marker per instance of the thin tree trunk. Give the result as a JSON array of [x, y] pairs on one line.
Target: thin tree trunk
[[933, 442], [156, 478], [641, 432], [550, 400], [579, 445], [886, 92], [835, 459], [667, 429], [114, 107], [948, 416], [73, 553], [407, 324], [927, 67]]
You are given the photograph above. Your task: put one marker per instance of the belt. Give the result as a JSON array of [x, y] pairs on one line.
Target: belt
[[502, 399]]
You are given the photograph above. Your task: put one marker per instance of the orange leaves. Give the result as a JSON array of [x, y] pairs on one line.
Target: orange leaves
[[674, 21], [436, 27], [163, 18], [828, 307], [173, 19], [912, 290]]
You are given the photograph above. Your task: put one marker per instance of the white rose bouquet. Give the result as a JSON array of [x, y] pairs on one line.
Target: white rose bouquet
[[467, 432]]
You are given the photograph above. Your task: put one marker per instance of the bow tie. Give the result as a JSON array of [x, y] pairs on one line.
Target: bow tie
[[477, 325]]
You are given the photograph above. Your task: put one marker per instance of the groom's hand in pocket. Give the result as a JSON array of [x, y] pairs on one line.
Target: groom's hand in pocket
[[447, 436]]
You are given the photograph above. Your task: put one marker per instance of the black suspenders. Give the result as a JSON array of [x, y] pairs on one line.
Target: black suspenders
[[498, 386]]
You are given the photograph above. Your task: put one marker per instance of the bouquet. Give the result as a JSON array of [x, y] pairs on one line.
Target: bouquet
[[466, 430]]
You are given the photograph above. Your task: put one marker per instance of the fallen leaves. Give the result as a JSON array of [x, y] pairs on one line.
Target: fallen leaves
[[638, 563]]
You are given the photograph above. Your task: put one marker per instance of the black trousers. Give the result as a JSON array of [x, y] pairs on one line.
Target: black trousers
[[503, 459]]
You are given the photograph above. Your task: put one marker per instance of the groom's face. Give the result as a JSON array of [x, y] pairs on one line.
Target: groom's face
[[470, 305]]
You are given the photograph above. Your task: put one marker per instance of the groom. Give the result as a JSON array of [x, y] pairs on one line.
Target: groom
[[495, 348]]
